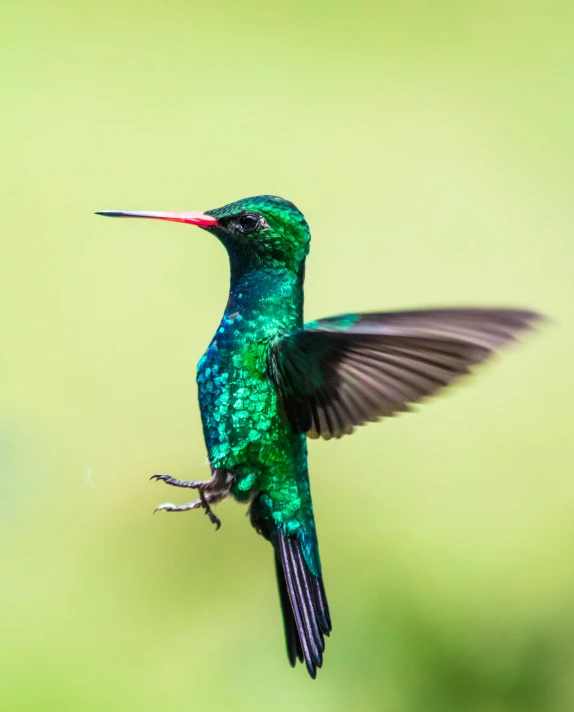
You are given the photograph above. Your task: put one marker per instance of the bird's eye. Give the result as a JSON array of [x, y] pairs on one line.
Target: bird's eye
[[249, 222]]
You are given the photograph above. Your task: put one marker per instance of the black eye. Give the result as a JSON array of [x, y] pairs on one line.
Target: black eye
[[249, 222]]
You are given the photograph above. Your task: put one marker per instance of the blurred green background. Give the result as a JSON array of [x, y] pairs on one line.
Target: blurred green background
[[430, 146]]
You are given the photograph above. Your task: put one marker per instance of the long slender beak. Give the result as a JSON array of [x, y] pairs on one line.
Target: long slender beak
[[199, 219]]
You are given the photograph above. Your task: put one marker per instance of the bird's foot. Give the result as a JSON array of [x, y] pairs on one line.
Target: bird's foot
[[203, 501], [210, 492]]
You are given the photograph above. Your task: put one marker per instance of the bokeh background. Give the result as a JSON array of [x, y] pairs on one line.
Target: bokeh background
[[430, 146]]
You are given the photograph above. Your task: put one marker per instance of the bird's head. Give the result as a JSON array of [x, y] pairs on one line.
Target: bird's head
[[264, 230]]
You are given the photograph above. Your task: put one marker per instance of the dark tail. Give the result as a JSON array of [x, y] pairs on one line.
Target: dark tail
[[304, 605]]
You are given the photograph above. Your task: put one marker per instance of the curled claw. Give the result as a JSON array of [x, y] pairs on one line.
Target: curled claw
[[213, 519], [159, 477]]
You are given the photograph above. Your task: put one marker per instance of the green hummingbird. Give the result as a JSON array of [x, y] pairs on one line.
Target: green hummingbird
[[268, 381]]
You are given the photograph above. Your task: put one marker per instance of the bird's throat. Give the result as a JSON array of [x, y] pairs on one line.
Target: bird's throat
[[271, 294]]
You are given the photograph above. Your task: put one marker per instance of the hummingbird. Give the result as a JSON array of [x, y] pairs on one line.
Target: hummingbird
[[268, 381]]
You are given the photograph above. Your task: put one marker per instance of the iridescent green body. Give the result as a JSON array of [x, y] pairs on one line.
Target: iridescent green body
[[245, 430]]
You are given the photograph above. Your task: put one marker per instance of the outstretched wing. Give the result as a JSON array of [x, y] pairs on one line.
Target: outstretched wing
[[346, 370]]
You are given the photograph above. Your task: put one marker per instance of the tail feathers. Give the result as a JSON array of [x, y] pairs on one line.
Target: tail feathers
[[304, 604]]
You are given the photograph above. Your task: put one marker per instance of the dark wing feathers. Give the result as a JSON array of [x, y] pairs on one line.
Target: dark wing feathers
[[304, 605], [344, 371]]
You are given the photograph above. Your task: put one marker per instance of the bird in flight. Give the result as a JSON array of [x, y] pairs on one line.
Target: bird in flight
[[268, 381]]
